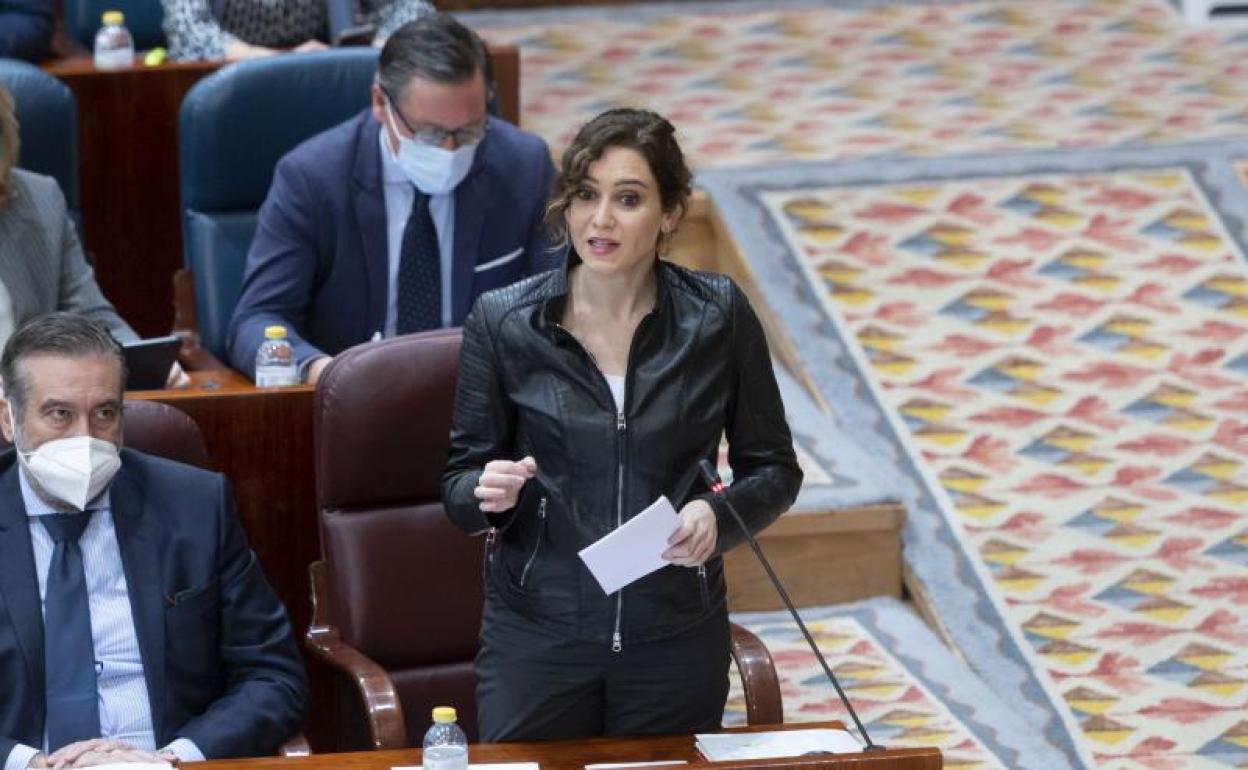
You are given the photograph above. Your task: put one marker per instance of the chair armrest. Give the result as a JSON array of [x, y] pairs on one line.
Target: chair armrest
[[384, 712], [297, 746], [763, 704]]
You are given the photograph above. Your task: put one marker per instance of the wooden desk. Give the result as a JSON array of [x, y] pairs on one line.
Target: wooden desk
[[128, 173], [574, 755]]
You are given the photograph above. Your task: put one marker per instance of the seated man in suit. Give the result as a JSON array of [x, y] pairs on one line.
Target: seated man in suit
[[159, 637], [394, 221], [26, 28]]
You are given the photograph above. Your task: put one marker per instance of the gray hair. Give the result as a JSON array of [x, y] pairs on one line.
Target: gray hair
[[434, 47], [59, 334]]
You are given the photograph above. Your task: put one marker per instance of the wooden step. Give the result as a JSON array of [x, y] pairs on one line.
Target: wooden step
[[822, 557]]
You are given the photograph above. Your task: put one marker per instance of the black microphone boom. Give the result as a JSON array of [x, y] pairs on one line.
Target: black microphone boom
[[716, 485]]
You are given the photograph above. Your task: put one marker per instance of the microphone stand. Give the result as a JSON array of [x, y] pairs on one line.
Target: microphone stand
[[716, 485]]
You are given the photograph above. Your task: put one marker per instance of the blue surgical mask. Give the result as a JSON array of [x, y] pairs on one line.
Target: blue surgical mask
[[433, 170]]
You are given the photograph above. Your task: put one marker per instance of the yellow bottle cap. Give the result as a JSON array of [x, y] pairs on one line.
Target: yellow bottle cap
[[274, 332], [444, 714], [114, 18]]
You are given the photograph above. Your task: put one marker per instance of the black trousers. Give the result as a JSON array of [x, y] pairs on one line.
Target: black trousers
[[534, 685]]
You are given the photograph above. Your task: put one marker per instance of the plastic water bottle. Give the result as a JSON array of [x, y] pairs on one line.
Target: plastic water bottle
[[446, 746], [275, 360], [114, 47]]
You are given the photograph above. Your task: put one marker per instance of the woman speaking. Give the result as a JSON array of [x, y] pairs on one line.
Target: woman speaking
[[585, 393]]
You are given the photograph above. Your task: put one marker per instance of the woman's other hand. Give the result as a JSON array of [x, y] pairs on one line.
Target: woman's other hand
[[500, 483], [694, 541]]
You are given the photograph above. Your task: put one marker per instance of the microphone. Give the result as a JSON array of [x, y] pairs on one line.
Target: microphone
[[716, 485]]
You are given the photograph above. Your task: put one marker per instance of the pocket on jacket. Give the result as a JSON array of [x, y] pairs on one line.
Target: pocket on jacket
[[196, 599], [192, 634]]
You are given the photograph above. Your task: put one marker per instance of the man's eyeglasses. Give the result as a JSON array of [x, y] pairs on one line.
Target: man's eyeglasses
[[436, 136]]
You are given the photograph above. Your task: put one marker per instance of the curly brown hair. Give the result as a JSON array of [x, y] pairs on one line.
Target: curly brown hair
[[650, 134]]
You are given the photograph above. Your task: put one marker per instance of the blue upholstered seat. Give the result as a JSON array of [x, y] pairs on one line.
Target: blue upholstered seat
[[234, 126], [48, 116]]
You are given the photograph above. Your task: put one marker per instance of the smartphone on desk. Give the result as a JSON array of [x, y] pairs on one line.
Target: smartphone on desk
[[148, 361]]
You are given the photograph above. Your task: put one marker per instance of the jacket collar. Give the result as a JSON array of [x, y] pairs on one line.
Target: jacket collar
[[18, 583], [559, 285], [138, 536]]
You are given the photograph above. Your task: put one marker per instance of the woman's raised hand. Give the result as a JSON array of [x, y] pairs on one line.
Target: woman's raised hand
[[501, 481]]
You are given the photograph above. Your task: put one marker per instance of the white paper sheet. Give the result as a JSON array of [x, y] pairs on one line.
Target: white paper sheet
[[634, 550], [134, 766], [479, 766], [622, 765], [727, 747]]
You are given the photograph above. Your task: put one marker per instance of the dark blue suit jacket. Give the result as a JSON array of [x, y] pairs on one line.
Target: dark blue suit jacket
[[26, 29], [221, 664], [318, 264]]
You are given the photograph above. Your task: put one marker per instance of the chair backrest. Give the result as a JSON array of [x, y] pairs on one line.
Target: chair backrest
[[225, 172], [382, 422], [162, 430], [144, 19], [48, 115]]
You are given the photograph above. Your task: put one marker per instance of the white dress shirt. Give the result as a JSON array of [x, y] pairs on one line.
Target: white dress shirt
[[399, 194], [125, 712]]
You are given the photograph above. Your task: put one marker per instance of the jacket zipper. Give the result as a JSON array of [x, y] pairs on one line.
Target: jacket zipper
[[706, 592], [621, 425], [491, 535], [537, 544]]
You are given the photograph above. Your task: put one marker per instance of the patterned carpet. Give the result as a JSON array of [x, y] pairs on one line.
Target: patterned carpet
[[1007, 240], [906, 687], [1054, 349], [749, 84]]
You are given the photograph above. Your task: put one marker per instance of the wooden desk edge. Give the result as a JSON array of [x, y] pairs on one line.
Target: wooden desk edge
[[577, 753], [85, 66], [214, 383]]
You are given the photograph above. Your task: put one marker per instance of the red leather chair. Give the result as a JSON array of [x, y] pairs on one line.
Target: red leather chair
[[397, 599]]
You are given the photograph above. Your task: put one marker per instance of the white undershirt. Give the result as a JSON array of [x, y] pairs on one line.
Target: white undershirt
[[616, 381]]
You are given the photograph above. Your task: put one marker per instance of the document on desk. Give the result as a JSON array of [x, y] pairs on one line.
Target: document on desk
[[633, 550], [729, 747], [623, 765], [481, 765]]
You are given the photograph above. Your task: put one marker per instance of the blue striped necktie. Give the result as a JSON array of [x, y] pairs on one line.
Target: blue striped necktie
[[73, 708], [419, 298]]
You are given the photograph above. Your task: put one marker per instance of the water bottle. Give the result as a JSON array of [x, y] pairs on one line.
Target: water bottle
[[446, 746], [114, 47], [275, 360]]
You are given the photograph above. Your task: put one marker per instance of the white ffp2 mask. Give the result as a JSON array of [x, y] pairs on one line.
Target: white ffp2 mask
[[72, 470], [433, 170]]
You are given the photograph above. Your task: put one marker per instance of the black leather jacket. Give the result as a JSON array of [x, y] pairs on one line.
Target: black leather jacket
[[698, 368]]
